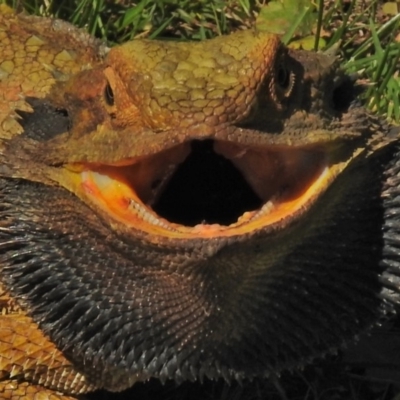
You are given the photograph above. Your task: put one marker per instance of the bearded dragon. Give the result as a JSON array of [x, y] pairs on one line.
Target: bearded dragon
[[182, 211]]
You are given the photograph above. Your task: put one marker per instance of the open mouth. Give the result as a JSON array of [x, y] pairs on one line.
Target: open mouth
[[208, 188]]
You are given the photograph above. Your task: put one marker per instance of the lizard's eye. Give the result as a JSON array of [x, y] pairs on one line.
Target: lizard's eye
[[109, 95], [284, 80]]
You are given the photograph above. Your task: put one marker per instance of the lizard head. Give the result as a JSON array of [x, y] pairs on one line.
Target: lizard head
[[152, 127], [192, 219]]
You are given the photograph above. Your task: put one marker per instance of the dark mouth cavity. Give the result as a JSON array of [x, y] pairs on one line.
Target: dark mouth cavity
[[205, 189]]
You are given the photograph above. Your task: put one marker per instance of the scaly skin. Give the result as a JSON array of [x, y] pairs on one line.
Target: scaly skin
[[34, 53], [182, 89], [101, 290]]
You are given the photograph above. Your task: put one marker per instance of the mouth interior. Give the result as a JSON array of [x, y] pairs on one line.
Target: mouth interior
[[206, 188], [209, 187]]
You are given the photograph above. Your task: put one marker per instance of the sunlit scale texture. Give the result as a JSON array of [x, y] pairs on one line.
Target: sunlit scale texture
[[31, 61], [184, 84]]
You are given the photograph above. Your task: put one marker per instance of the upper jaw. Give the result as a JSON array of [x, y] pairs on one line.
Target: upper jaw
[[108, 146]]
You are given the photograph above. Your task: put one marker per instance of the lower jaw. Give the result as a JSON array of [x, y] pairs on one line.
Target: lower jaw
[[163, 194]]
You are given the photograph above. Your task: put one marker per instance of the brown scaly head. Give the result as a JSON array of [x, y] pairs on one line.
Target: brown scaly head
[[214, 209]]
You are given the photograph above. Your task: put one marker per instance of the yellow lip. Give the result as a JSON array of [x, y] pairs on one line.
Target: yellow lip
[[287, 181]]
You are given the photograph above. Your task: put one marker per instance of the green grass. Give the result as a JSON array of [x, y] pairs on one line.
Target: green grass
[[376, 59], [120, 21]]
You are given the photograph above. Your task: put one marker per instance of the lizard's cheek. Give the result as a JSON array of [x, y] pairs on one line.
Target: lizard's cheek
[[208, 188]]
